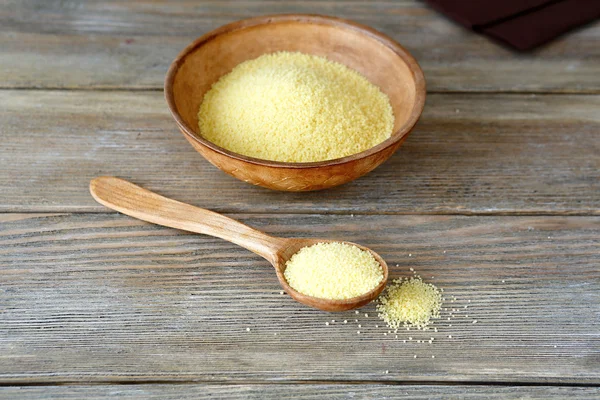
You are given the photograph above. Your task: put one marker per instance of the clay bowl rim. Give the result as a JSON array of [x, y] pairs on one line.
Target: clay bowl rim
[[401, 52]]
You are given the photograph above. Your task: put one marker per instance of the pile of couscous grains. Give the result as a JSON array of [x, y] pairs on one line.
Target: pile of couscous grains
[[410, 302], [295, 107], [333, 270], [414, 312]]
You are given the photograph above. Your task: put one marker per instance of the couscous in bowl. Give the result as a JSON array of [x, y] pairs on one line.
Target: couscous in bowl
[[377, 57]]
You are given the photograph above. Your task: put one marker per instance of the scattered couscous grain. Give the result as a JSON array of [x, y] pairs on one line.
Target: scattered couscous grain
[[295, 107], [333, 271], [411, 302]]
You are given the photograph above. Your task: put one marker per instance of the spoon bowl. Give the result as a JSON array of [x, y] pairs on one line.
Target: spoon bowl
[[143, 204], [294, 245]]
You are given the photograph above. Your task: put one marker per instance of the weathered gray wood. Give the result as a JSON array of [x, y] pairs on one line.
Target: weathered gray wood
[[106, 44], [468, 154], [105, 298], [296, 391]]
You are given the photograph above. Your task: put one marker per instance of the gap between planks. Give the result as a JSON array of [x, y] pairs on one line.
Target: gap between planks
[[298, 391], [542, 213], [545, 383], [591, 92]]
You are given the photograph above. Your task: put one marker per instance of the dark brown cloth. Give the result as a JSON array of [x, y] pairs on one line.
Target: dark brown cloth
[[523, 24]]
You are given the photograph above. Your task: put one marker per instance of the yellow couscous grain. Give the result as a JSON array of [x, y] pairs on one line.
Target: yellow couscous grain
[[333, 271], [410, 302], [295, 107]]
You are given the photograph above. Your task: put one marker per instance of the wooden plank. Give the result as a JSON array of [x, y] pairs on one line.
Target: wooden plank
[[107, 44], [470, 153], [105, 298], [297, 391]]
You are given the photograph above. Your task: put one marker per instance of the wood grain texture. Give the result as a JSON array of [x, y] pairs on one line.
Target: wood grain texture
[[92, 297], [297, 391], [470, 153], [109, 44], [105, 298]]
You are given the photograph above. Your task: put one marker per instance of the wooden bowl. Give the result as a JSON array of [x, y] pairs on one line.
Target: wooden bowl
[[380, 59]]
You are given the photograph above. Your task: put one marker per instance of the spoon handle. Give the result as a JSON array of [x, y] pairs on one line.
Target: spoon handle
[[132, 200]]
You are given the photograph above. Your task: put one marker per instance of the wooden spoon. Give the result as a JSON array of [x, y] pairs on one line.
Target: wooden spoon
[[143, 204]]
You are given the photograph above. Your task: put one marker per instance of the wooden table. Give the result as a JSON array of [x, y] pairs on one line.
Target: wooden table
[[495, 197]]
